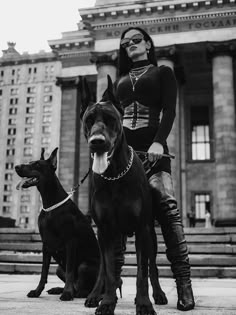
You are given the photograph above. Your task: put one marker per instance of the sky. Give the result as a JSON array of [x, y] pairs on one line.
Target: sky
[[31, 23]]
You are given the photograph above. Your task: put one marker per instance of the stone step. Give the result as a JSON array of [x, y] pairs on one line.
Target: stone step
[[130, 259], [215, 248], [128, 271]]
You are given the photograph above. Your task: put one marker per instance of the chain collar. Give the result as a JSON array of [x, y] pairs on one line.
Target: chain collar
[[59, 203], [125, 170]]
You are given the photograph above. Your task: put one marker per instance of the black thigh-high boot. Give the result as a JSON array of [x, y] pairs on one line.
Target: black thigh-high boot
[[167, 214]]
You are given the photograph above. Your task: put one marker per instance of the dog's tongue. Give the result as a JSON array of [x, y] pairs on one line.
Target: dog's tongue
[[100, 163], [21, 183]]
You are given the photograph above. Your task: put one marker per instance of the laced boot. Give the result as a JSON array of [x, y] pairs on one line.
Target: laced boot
[[185, 295]]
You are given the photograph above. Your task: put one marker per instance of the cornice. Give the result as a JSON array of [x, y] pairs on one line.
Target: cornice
[[172, 19], [67, 82], [153, 7], [100, 58], [227, 48]]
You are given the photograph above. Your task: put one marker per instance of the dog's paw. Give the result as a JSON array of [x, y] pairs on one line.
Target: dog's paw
[[92, 301], [145, 310], [34, 294], [66, 296], [55, 291], [105, 309], [160, 298]]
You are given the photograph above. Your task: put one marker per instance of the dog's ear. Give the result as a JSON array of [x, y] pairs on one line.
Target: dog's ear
[[42, 154], [53, 158], [108, 95], [85, 95]]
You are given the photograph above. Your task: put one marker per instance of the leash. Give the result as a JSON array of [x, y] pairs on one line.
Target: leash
[[148, 166], [70, 194]]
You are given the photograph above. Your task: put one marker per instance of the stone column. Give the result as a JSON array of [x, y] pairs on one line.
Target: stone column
[[168, 56], [224, 131], [106, 64], [69, 150]]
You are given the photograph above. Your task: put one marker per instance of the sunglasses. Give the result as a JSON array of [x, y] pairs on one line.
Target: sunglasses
[[136, 39]]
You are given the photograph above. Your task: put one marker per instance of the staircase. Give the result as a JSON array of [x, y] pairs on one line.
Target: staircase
[[212, 253]]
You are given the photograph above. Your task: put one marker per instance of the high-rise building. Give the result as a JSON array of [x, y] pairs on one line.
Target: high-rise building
[[30, 107]]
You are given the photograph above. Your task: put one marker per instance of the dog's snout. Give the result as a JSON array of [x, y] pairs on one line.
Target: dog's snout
[[97, 139]]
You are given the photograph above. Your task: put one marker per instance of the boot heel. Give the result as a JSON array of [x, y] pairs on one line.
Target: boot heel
[[185, 297], [119, 286]]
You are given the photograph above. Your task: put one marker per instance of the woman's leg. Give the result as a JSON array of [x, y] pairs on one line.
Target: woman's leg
[[168, 215]]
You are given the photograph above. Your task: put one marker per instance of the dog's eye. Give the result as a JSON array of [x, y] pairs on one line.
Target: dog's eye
[[37, 165], [89, 121]]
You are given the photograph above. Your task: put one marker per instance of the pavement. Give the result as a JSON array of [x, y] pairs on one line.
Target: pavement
[[212, 296]]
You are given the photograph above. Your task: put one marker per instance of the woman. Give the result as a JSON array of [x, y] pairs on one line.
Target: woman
[[144, 90]]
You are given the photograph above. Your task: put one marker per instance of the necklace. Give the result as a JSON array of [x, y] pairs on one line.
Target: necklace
[[135, 74]]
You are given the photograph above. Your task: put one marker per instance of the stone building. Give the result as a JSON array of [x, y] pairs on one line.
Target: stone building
[[198, 40], [30, 107]]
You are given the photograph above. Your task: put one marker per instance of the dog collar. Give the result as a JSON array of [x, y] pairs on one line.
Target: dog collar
[[59, 203], [125, 170]]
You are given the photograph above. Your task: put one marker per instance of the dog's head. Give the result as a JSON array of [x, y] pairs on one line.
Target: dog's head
[[36, 172], [102, 127]]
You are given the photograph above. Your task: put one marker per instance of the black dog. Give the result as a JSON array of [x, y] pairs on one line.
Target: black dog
[[120, 205], [66, 234]]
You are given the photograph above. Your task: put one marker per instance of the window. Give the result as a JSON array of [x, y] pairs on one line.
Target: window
[[10, 152], [13, 101], [47, 109], [30, 100], [30, 110], [29, 130], [48, 89], [47, 98], [31, 89], [8, 176], [9, 166], [24, 209], [47, 119], [23, 220], [7, 198], [11, 131], [202, 204], [28, 140], [2, 73], [46, 129], [200, 133], [13, 111], [28, 151], [0, 92], [25, 198], [29, 120], [11, 141], [8, 187], [45, 140], [12, 121], [14, 91], [6, 209]]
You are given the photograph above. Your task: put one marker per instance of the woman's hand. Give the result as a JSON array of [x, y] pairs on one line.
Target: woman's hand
[[155, 151]]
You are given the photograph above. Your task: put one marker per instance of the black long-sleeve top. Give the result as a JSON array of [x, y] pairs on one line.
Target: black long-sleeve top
[[155, 92]]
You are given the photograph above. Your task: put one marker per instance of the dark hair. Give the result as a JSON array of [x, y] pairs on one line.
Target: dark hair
[[125, 63]]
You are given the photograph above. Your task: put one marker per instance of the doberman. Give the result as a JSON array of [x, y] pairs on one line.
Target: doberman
[[120, 205], [66, 233]]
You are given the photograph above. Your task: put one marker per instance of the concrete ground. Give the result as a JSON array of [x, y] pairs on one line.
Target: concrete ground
[[213, 297]]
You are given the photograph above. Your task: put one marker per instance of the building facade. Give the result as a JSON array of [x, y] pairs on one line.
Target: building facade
[[198, 40], [30, 107]]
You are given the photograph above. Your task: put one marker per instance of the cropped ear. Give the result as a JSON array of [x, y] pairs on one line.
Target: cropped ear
[[53, 158], [42, 154], [86, 98], [108, 95]]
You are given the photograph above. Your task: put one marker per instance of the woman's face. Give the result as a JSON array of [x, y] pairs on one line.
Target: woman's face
[[135, 45]]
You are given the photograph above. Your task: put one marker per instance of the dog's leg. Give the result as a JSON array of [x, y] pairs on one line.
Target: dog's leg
[[61, 275], [109, 299], [44, 274], [71, 252], [142, 300], [158, 294]]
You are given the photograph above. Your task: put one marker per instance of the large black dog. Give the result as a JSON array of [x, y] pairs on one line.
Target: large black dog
[[66, 234], [120, 205]]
